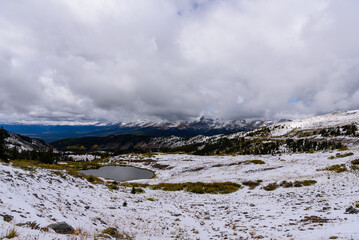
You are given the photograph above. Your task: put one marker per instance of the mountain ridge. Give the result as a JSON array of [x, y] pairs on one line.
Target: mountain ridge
[[185, 128]]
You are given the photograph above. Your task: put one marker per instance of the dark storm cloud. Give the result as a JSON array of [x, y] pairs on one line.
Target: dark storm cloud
[[127, 60]]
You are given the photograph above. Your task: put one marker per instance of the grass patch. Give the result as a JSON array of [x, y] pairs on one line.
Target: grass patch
[[113, 185], [271, 187], [137, 190], [93, 179], [71, 168], [338, 155], [336, 168], [11, 233], [250, 161], [257, 161], [129, 184], [66, 165], [242, 162], [355, 162], [252, 184], [113, 232], [288, 184], [197, 187], [315, 219]]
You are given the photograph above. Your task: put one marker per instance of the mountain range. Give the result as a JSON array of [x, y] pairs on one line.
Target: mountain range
[[336, 127], [319, 132], [200, 126]]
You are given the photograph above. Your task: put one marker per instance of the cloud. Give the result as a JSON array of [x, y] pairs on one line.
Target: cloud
[[78, 60]]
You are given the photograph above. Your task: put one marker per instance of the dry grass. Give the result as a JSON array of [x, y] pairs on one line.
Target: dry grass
[[197, 187], [10, 233]]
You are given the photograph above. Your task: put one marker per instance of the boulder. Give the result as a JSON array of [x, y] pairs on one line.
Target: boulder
[[351, 210], [8, 218], [62, 227]]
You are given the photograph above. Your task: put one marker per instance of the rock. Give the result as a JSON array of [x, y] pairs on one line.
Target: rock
[[62, 227], [351, 210], [8, 218]]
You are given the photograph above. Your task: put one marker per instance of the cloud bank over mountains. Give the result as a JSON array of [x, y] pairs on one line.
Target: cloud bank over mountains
[[87, 60]]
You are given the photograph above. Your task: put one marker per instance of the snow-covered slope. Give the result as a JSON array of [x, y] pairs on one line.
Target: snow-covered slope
[[335, 119], [24, 143], [314, 212]]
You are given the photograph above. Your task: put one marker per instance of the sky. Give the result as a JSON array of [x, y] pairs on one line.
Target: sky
[[118, 61]]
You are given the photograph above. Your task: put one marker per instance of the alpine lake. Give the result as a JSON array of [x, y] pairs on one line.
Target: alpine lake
[[119, 173]]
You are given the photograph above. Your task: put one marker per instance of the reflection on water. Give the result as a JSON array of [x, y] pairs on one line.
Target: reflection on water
[[119, 173]]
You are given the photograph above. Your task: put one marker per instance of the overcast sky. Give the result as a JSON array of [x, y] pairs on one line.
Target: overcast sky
[[111, 60]]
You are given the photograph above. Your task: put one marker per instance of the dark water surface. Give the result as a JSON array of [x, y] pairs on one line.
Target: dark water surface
[[119, 173]]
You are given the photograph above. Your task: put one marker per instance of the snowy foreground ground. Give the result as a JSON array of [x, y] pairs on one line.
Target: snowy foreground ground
[[285, 213]]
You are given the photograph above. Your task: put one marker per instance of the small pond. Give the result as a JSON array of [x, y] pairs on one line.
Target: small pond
[[119, 173]]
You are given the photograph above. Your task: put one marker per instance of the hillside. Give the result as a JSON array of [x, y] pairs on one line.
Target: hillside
[[31, 201], [24, 143], [330, 131]]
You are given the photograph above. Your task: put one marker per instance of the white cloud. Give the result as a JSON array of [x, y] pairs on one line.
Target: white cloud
[[124, 60]]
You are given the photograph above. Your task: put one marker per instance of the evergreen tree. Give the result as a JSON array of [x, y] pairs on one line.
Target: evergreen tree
[[3, 149]]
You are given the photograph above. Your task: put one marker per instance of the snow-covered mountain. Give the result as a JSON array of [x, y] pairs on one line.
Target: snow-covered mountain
[[201, 123], [316, 128], [189, 128]]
